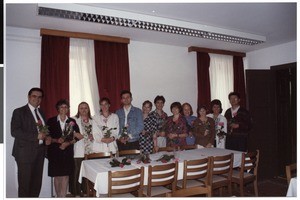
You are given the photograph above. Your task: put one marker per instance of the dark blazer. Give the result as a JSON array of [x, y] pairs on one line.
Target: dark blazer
[[24, 130], [243, 118]]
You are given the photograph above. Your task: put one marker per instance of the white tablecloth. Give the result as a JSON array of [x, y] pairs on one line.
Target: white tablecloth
[[97, 170], [292, 190]]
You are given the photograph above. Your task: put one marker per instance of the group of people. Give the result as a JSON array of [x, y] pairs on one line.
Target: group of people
[[65, 140]]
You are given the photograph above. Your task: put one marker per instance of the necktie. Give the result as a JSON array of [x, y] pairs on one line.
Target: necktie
[[36, 114]]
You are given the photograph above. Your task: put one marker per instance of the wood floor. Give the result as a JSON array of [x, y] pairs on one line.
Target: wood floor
[[275, 187]]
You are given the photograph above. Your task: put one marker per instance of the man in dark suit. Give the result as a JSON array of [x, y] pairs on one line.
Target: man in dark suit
[[29, 147], [239, 124]]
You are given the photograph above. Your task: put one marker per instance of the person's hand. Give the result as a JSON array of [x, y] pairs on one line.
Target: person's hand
[[206, 132], [172, 135], [123, 140], [41, 136], [106, 140], [64, 145], [60, 140], [209, 145], [234, 125], [90, 137], [78, 135], [182, 135], [48, 140]]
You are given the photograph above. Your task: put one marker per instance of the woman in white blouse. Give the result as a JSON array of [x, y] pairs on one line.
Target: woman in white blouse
[[105, 129], [84, 120], [220, 123]]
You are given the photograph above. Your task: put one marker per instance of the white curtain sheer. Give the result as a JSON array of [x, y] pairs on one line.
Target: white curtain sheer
[[221, 78], [83, 81]]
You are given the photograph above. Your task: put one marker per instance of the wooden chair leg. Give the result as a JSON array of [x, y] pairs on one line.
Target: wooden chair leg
[[242, 189], [221, 191], [230, 189], [255, 188]]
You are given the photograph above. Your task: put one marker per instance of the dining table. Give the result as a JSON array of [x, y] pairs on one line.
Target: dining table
[[96, 170], [292, 189]]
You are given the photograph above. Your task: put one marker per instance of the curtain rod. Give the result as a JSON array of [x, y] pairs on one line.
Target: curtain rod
[[90, 36], [216, 51]]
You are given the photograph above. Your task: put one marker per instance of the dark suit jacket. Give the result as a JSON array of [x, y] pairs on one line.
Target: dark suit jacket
[[24, 130]]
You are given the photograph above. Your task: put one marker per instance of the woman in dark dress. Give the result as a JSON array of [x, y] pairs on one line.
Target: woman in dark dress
[[64, 132], [146, 140]]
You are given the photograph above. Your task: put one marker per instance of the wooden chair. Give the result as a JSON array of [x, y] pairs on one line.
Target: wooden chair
[[130, 180], [98, 155], [188, 147], [291, 171], [168, 149], [221, 173], [195, 173], [187, 192], [160, 176], [90, 185], [247, 172], [129, 152]]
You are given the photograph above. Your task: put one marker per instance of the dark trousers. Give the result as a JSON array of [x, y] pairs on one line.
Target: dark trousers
[[30, 176], [236, 142], [74, 186], [128, 145]]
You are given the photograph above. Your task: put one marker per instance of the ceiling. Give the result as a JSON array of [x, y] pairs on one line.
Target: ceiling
[[275, 21]]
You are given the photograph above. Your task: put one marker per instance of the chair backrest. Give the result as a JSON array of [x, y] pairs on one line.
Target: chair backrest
[[186, 192], [120, 182], [168, 149], [129, 152], [97, 155], [162, 175], [291, 171], [188, 147], [222, 165], [196, 169], [249, 163]]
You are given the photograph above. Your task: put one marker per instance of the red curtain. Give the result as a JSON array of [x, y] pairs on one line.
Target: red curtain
[[54, 72], [203, 61], [112, 70], [239, 78]]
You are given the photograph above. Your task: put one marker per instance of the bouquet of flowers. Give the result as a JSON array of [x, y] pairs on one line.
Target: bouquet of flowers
[[107, 131], [125, 133], [88, 129], [232, 121], [42, 128], [67, 134], [115, 163], [207, 128], [144, 158], [166, 158], [219, 131]]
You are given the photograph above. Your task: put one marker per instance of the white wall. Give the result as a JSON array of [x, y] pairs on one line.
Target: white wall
[[162, 70], [155, 69], [23, 53], [276, 55]]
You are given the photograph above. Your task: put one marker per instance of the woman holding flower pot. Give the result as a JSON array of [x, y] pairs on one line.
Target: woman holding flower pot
[[105, 129], [220, 123], [64, 132], [204, 128]]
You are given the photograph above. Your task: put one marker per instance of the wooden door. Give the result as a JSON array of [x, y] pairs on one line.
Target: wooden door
[[286, 108], [261, 105]]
